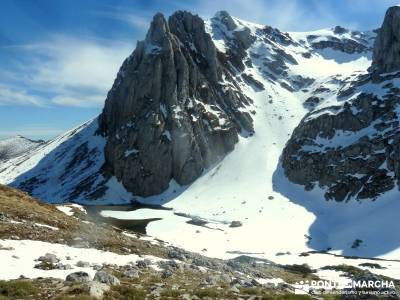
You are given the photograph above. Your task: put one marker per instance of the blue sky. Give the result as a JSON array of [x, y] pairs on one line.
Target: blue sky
[[58, 58]]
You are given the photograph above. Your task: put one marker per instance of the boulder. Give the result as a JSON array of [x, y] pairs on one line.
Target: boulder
[[80, 277], [96, 289], [49, 258], [106, 278], [236, 224]]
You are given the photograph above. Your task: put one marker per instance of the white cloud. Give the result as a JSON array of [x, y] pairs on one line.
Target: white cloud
[[135, 19], [70, 71], [80, 100], [78, 71], [293, 15], [14, 96]]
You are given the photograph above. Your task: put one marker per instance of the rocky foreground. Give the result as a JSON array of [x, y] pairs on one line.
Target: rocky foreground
[[129, 265]]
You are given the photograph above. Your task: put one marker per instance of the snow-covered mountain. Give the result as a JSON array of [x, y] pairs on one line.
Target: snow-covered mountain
[[227, 120], [16, 146]]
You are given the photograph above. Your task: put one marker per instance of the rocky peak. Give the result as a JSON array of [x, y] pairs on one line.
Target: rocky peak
[[225, 18], [386, 55], [340, 30], [158, 29], [174, 109]]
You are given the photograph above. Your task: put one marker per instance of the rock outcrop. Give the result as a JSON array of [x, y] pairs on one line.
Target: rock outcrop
[[386, 55], [342, 39], [352, 149], [174, 108]]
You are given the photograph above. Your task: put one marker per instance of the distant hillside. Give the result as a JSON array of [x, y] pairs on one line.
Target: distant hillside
[[15, 146]]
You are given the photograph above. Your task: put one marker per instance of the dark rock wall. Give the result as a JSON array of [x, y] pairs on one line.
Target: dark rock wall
[[173, 110]]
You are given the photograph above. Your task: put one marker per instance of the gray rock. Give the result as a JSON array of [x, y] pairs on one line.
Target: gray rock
[[386, 56], [212, 280], [176, 253], [131, 273], [83, 264], [78, 277], [106, 278], [349, 46], [364, 168], [49, 258], [167, 116], [142, 264], [236, 224], [166, 274], [61, 266], [96, 289], [170, 265]]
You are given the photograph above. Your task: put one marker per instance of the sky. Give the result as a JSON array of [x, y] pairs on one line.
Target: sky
[[58, 58]]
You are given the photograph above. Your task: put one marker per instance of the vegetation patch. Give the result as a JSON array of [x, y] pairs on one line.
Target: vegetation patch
[[17, 289]]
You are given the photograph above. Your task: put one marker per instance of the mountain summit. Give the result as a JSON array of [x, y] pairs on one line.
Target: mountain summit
[[174, 109]]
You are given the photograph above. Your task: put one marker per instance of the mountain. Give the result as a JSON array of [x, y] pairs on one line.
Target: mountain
[[174, 109], [350, 147], [179, 104], [227, 120], [16, 146]]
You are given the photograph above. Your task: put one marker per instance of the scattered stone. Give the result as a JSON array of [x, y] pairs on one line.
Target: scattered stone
[[197, 222], [83, 264], [106, 278], [235, 224], [96, 289], [166, 274], [81, 277], [142, 264], [49, 258], [131, 273], [176, 253]]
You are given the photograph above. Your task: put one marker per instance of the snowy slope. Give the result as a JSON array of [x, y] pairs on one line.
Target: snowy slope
[[16, 146], [66, 161], [247, 185]]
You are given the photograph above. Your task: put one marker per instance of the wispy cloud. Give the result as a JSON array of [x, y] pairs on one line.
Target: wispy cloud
[[96, 100], [139, 21], [67, 70], [297, 15], [78, 71], [291, 15], [14, 96]]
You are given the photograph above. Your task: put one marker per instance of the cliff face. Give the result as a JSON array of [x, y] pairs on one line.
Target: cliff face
[[174, 108], [386, 55]]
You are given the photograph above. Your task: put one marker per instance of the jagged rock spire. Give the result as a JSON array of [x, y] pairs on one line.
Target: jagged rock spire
[[174, 108], [386, 55], [158, 29]]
